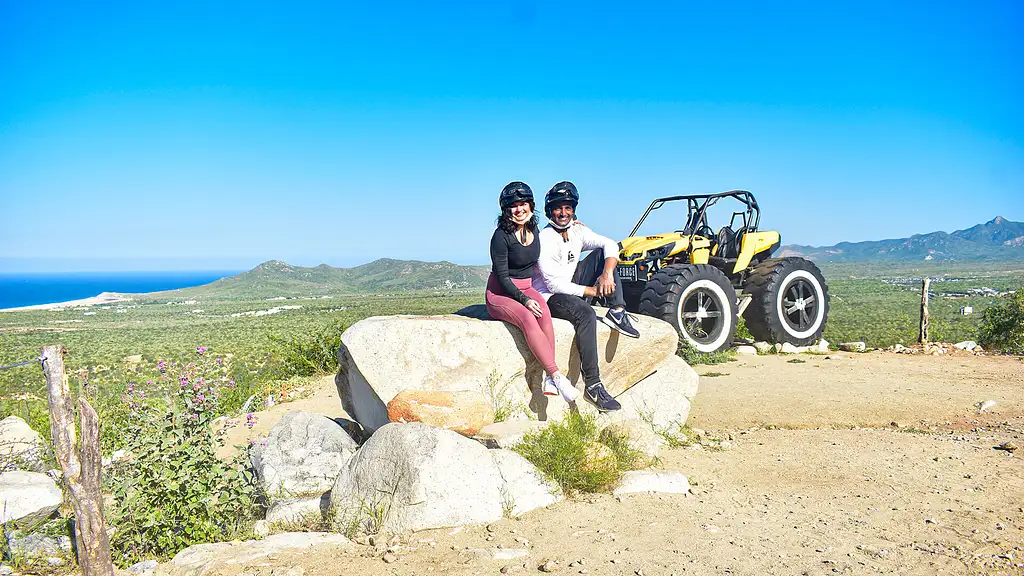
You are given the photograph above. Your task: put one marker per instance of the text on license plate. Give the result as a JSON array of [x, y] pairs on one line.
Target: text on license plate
[[627, 272]]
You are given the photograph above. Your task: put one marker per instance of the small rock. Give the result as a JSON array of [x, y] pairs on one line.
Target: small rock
[[142, 566], [763, 347], [651, 481], [968, 345], [6, 570], [549, 566], [1007, 446], [853, 347], [261, 529], [746, 350], [986, 405], [389, 558], [931, 521]]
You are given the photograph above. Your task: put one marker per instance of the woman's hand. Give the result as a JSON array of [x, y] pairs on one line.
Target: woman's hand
[[534, 308]]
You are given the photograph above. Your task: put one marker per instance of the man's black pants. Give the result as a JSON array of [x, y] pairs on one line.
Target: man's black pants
[[582, 315]]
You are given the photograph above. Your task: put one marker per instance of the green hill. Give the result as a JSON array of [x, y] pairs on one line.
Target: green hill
[[275, 278], [998, 239]]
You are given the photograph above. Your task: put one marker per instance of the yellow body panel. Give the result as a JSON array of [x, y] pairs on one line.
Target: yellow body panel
[[635, 248], [754, 243]]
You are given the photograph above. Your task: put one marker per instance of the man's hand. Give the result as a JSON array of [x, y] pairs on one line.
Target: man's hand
[[605, 285]]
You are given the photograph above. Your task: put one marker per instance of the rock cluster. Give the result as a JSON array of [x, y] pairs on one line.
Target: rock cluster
[[26, 494], [968, 347]]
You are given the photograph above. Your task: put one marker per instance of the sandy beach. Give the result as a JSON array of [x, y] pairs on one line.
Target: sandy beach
[[102, 298]]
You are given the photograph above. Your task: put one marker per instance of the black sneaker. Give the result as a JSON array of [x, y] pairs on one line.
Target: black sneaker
[[597, 394], [619, 320]]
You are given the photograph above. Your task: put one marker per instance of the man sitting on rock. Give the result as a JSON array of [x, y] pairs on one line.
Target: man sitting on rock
[[564, 281]]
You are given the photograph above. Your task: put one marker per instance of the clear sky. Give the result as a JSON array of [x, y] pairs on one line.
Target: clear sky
[[211, 134]]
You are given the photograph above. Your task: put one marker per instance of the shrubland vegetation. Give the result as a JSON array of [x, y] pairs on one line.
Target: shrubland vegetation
[[1002, 326]]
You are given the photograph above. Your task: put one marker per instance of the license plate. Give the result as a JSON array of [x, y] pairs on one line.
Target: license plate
[[627, 272]]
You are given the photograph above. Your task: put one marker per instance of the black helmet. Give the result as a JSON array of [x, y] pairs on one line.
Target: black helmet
[[515, 192], [561, 192]]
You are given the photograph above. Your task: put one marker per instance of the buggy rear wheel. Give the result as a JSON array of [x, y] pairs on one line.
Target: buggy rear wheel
[[698, 300]]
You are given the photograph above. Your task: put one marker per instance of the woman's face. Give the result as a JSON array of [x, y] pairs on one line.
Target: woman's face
[[521, 213]]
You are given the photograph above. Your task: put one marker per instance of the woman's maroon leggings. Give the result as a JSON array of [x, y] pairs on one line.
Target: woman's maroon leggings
[[540, 336]]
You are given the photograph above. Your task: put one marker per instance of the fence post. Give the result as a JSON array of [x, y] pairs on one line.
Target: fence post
[[923, 337], [81, 467]]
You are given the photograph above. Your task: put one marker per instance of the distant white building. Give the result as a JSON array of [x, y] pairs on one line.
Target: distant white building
[[965, 310]]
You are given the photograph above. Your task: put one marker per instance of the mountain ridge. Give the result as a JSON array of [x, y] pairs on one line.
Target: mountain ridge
[[276, 278], [997, 239]]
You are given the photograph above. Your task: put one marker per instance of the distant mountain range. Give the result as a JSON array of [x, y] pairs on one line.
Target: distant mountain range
[[275, 278], [997, 239]]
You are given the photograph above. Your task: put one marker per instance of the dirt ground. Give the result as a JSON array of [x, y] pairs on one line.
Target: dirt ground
[[855, 464]]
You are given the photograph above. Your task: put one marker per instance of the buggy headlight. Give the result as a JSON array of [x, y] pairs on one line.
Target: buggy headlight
[[661, 251]]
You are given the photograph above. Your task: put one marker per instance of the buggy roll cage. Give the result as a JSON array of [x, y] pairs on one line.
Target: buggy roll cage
[[697, 206]]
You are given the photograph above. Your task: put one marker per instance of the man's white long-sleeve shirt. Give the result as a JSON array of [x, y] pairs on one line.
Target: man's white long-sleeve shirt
[[559, 257]]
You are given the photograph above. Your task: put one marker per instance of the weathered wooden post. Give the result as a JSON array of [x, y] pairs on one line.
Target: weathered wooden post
[[81, 467], [923, 337]]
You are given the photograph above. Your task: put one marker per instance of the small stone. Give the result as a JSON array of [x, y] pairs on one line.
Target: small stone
[[549, 566], [931, 521], [1008, 446], [389, 558], [6, 570], [142, 566], [261, 529]]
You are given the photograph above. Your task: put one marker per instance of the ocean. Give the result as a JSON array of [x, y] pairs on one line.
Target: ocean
[[30, 289]]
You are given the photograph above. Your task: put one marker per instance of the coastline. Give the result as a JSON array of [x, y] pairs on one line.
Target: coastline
[[102, 298]]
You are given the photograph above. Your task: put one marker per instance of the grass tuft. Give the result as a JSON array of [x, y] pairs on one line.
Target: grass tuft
[[570, 453], [693, 357]]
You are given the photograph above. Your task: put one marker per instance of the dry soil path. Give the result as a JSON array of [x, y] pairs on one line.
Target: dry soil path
[[817, 481]]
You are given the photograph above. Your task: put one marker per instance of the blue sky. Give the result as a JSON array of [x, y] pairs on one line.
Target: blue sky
[[212, 135]]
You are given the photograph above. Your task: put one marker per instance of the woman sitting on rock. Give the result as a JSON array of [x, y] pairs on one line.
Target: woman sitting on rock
[[510, 295]]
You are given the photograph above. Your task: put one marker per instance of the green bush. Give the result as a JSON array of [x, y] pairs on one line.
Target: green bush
[[172, 491], [312, 352], [570, 453], [1002, 325]]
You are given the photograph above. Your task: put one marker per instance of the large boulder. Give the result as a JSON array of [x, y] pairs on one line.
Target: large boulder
[[302, 455], [29, 497], [462, 411], [414, 477], [383, 355], [21, 447], [661, 400], [523, 488]]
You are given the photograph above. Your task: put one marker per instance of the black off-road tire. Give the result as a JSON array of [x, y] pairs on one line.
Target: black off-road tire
[[698, 300], [789, 301]]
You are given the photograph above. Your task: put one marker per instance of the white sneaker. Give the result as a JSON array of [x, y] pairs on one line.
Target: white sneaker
[[568, 391], [549, 388]]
